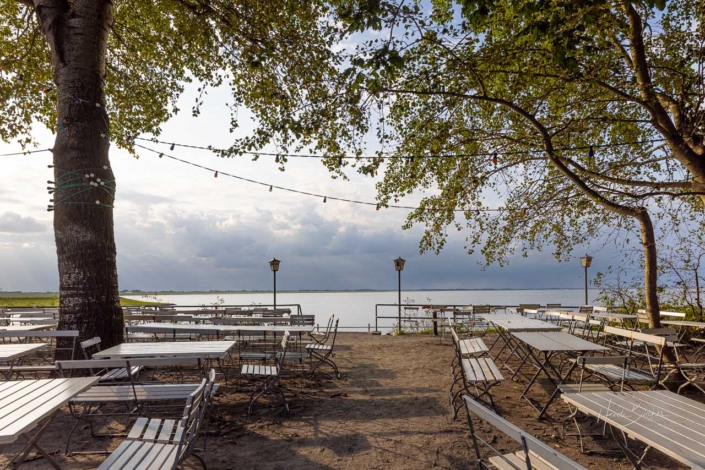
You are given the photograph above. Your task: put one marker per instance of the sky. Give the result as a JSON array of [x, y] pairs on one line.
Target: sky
[[179, 228]]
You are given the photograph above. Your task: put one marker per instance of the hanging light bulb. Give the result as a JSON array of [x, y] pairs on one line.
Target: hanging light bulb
[[47, 91], [172, 147], [324, 199], [591, 152], [270, 188], [276, 160], [494, 159], [340, 161], [216, 175], [161, 155], [377, 206]]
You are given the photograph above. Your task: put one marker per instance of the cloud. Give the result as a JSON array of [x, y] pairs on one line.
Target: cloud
[[12, 222]]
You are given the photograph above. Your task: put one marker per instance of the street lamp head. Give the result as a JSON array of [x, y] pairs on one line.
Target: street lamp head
[[274, 264], [399, 264], [586, 261]]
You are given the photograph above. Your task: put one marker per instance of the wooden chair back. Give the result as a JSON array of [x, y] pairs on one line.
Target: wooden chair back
[[529, 443], [479, 309], [549, 306], [302, 320], [622, 361], [586, 309]]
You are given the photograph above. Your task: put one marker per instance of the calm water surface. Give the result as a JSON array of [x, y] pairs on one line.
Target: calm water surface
[[357, 309]]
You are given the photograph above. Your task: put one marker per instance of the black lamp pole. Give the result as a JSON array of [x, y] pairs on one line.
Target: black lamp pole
[[274, 266], [399, 266], [586, 261]]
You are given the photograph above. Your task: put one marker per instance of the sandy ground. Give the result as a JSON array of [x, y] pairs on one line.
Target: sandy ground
[[389, 411]]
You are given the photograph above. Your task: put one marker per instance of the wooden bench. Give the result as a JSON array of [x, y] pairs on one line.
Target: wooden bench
[[470, 346], [480, 373], [533, 455]]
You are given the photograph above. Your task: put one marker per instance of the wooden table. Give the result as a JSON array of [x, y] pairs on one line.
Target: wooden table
[[13, 352], [24, 403], [215, 330], [200, 349], [508, 323], [671, 423], [548, 344]]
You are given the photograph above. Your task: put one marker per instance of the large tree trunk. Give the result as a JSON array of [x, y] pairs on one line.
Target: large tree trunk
[[648, 241], [83, 222]]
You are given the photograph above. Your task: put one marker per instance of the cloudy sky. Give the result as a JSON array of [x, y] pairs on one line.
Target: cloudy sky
[[179, 228]]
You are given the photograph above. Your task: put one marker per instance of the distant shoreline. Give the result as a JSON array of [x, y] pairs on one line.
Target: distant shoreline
[[303, 291]]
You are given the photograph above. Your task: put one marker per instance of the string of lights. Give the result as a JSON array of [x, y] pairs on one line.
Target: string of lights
[[272, 187]]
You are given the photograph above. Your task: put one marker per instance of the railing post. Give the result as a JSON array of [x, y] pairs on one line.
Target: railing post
[[435, 323]]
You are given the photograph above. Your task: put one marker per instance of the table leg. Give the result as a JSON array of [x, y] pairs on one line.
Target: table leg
[[34, 443]]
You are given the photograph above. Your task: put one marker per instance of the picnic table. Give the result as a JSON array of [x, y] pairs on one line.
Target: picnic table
[[24, 403], [662, 420], [12, 353], [216, 330], [200, 349], [547, 345], [509, 323]]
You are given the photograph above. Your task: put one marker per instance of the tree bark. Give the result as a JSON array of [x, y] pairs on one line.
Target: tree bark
[[648, 241], [77, 34]]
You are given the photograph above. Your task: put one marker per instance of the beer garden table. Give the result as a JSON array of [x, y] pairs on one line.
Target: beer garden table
[[548, 344]]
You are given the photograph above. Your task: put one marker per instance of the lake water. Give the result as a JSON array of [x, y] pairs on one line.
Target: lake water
[[357, 309]]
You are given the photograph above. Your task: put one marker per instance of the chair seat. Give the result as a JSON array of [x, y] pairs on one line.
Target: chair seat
[[165, 431], [125, 393], [260, 371], [143, 455], [518, 460], [481, 370], [473, 347], [256, 355], [318, 347], [614, 372], [119, 374]]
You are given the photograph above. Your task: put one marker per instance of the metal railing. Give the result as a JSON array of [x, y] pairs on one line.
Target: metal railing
[[299, 310], [435, 310]]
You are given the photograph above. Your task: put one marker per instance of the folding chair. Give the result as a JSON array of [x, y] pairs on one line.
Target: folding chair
[[323, 352], [589, 364], [268, 376], [163, 444], [322, 338], [106, 375]]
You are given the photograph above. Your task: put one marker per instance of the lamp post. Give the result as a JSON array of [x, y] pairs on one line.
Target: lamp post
[[399, 266], [586, 261], [274, 266]]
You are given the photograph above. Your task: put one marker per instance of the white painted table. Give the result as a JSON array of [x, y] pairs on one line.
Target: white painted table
[[46, 326], [200, 349], [24, 403], [13, 351], [671, 423], [547, 345], [513, 323], [167, 328]]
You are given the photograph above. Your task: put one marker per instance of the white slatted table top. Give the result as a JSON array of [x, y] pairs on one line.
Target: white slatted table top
[[693, 324], [557, 341], [24, 403], [671, 423], [203, 349], [27, 327], [10, 352], [216, 329], [514, 323]]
